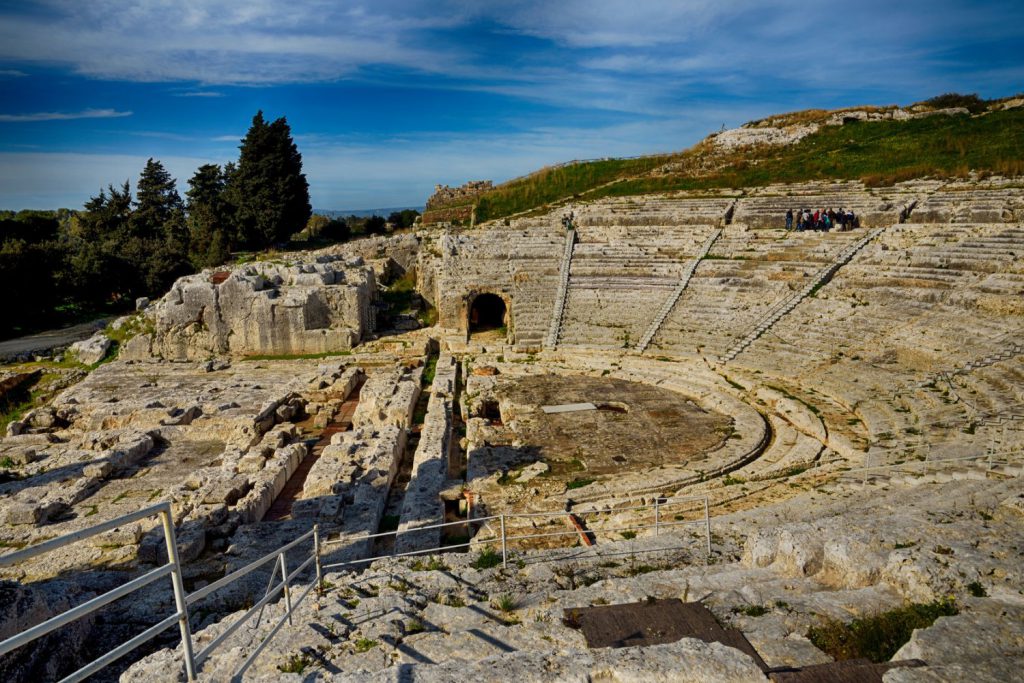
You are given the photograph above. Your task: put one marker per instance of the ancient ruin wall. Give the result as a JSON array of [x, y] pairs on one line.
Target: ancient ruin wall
[[264, 309]]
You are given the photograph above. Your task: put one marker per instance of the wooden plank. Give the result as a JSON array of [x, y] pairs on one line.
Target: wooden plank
[[655, 622], [846, 671]]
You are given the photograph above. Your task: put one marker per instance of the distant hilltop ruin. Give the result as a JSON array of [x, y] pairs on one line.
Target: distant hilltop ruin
[[443, 194], [453, 204]]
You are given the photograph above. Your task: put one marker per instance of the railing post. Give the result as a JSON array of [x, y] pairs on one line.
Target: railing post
[[317, 562], [179, 593], [287, 591], [707, 525], [657, 516], [504, 543]]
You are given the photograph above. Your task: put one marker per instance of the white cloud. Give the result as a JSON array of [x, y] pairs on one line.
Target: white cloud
[[222, 41], [200, 93], [12, 73], [64, 116]]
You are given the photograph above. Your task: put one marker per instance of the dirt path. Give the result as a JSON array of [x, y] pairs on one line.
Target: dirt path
[[43, 342]]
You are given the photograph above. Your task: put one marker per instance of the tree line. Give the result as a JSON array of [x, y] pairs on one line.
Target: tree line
[[57, 265]]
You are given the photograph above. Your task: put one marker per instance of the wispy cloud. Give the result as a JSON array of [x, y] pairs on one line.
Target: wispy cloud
[[64, 116], [200, 93], [12, 73]]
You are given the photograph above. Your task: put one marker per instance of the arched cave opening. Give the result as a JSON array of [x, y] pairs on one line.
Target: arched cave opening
[[487, 313]]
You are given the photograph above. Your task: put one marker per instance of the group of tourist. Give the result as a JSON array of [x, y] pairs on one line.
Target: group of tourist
[[569, 220], [822, 220]]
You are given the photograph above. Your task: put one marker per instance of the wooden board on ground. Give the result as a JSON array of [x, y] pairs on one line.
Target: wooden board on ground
[[848, 671], [655, 622]]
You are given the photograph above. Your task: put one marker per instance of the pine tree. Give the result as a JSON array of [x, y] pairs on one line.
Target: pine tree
[[268, 188], [208, 216], [156, 203]]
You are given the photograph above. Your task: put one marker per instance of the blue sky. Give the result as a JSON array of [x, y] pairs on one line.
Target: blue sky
[[386, 98]]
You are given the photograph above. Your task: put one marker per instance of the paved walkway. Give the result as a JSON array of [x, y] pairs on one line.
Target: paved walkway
[[51, 339]]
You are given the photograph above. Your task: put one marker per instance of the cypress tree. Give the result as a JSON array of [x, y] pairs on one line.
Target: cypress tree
[[209, 216], [268, 188]]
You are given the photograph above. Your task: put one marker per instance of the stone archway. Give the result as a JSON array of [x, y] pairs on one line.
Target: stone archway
[[487, 312]]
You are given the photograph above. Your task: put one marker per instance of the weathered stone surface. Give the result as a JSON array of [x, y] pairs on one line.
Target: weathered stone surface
[[92, 350], [266, 309]]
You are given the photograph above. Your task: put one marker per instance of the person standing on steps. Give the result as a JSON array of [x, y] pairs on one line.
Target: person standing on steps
[[789, 219]]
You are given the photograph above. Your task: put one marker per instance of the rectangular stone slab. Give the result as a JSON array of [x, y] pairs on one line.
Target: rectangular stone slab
[[568, 407]]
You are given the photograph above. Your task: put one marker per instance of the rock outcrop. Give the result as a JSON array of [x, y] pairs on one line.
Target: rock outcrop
[[266, 308]]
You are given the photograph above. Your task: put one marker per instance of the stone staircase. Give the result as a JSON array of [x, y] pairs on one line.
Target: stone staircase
[[1011, 350], [563, 289], [670, 303], [907, 477], [777, 312]]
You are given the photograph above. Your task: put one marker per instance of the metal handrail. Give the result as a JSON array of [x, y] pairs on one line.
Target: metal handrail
[[172, 569]]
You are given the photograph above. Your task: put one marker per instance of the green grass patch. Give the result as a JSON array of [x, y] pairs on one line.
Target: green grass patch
[[487, 559], [877, 152], [878, 637], [365, 644], [977, 590], [429, 371], [431, 564], [751, 610], [579, 482], [295, 664]]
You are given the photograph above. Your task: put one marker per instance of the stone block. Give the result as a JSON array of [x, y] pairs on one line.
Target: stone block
[[16, 513]]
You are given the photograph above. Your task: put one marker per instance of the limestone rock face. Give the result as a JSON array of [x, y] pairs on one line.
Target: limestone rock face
[[982, 643], [266, 308], [24, 606], [92, 350]]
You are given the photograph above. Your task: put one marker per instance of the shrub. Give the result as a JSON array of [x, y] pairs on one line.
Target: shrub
[[878, 637], [950, 100], [579, 483]]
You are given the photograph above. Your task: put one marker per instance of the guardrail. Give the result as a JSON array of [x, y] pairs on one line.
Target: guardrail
[[496, 526], [191, 660], [500, 537], [172, 568]]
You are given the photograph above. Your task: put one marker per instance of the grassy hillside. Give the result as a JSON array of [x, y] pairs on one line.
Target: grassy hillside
[[877, 152]]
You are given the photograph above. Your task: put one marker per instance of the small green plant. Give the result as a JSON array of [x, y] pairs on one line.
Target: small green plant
[[431, 564], [901, 546], [415, 626], [6, 463], [486, 559], [506, 602], [628, 535], [878, 637], [729, 480], [579, 482], [295, 664], [365, 645], [977, 590], [751, 610]]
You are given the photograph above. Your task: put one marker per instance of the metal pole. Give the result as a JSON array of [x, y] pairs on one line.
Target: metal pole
[[504, 544], [179, 593], [707, 525], [657, 516], [316, 553], [287, 591]]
